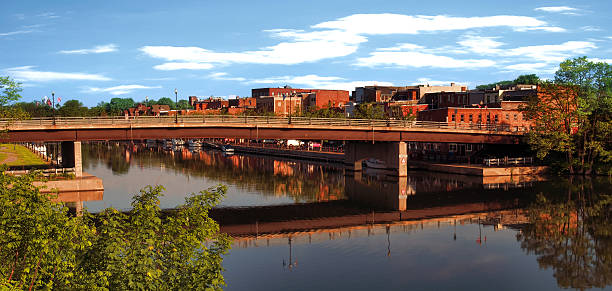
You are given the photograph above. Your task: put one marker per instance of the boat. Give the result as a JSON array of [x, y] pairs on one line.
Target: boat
[[227, 149], [177, 142], [194, 143], [375, 164]]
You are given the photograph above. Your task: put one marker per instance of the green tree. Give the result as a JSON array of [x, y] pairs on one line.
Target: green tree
[[73, 108], [369, 111], [34, 109], [43, 247], [9, 92], [100, 109], [117, 105], [492, 85], [573, 116], [531, 79], [166, 101], [183, 104]]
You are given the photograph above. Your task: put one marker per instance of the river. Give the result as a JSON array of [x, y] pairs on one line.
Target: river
[[300, 225]]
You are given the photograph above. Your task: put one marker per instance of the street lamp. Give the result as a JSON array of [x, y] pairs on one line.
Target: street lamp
[[176, 104], [53, 106], [290, 108]]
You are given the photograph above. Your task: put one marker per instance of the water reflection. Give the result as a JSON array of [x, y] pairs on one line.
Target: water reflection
[[572, 234], [294, 221], [252, 180]]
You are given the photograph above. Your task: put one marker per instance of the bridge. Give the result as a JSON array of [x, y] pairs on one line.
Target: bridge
[[381, 139]]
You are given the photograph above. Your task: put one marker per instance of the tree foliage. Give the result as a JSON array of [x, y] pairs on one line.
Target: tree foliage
[[369, 111], [531, 79], [73, 108], [43, 247], [572, 116], [572, 234]]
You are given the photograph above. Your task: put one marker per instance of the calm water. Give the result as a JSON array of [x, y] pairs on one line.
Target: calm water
[[311, 226]]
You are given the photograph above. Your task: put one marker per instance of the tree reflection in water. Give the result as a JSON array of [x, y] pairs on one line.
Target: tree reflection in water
[[572, 234]]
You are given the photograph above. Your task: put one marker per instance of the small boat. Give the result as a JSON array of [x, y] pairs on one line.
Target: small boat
[[194, 143], [227, 149], [375, 164]]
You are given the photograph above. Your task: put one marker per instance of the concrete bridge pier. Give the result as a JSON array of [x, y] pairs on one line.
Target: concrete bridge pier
[[393, 154], [72, 157]]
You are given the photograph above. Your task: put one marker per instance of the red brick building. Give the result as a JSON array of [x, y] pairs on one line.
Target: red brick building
[[321, 99], [507, 115]]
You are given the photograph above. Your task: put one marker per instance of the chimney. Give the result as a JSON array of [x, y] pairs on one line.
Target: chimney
[[452, 84]]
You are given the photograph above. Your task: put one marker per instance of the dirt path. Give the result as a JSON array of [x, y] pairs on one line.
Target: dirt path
[[10, 157]]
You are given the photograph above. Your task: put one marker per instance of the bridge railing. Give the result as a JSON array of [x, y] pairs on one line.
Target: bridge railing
[[261, 120]]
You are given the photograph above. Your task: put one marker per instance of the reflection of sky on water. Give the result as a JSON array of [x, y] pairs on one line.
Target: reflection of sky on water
[[427, 259], [251, 181], [118, 189]]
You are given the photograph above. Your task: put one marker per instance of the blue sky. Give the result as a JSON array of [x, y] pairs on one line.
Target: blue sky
[[96, 50]]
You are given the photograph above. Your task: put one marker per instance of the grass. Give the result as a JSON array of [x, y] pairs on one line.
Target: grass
[[24, 157]]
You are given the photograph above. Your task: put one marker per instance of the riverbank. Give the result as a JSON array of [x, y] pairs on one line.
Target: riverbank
[[14, 155]]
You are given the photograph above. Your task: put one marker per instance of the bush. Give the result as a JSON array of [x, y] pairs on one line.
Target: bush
[[44, 247]]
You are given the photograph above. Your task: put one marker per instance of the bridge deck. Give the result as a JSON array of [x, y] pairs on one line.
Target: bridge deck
[[253, 127]]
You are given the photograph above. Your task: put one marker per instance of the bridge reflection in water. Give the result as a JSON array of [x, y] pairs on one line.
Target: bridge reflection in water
[[377, 200]]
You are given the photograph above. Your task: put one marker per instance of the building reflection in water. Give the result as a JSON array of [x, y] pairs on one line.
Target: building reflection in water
[[303, 182]]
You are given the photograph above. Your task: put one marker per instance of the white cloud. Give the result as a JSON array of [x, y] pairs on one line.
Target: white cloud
[[408, 56], [543, 28], [95, 50], [540, 53], [598, 60], [481, 44], [590, 28], [552, 53], [532, 68], [337, 38], [388, 23], [225, 77], [15, 32], [27, 74], [556, 9], [305, 47], [120, 90], [183, 66], [318, 82], [48, 15]]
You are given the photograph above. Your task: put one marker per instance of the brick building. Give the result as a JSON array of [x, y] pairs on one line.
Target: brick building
[[321, 98], [405, 93]]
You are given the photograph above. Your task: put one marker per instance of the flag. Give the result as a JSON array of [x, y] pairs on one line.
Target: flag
[[48, 102], [59, 99]]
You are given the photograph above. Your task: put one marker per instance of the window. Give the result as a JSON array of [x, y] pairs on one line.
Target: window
[[470, 118], [436, 146], [468, 147], [452, 147], [462, 119], [453, 117], [515, 117], [479, 117], [496, 119], [507, 116], [489, 118]]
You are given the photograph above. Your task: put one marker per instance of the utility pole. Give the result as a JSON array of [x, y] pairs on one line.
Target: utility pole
[[53, 106], [176, 104]]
